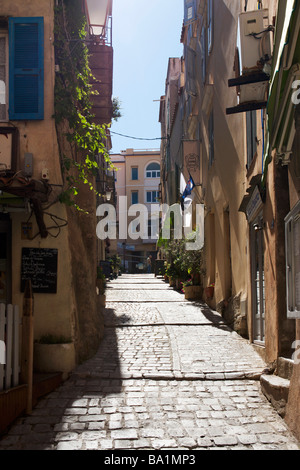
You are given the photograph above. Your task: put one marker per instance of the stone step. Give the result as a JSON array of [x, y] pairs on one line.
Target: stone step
[[285, 367], [276, 390]]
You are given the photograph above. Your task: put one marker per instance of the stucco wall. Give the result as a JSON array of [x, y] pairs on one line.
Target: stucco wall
[[224, 180], [73, 311], [39, 137], [53, 313]]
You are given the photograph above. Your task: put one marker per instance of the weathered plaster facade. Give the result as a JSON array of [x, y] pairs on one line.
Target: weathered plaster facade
[[73, 310]]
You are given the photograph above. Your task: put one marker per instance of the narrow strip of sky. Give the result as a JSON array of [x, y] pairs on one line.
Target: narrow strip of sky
[[145, 35]]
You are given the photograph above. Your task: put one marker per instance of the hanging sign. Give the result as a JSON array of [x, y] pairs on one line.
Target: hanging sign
[[254, 205], [192, 160]]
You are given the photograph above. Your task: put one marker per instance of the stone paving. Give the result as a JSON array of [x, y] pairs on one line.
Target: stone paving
[[169, 374]]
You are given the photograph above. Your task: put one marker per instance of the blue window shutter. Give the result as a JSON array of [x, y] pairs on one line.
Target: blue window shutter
[[26, 68]]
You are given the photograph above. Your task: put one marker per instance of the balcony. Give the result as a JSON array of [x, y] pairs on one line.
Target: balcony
[[101, 64], [99, 17]]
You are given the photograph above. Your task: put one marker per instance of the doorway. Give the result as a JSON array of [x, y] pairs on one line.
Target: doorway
[[258, 279]]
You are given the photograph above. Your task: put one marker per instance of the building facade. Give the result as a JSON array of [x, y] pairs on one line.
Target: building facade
[[233, 128], [137, 188], [46, 235]]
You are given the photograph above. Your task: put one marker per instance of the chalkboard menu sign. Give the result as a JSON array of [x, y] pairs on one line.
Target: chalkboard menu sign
[[40, 266]]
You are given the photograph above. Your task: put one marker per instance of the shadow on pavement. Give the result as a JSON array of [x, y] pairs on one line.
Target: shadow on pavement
[[214, 317], [82, 404]]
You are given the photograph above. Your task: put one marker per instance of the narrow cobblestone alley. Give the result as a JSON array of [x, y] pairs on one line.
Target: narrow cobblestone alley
[[169, 374]]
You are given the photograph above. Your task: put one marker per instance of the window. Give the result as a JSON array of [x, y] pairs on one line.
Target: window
[[292, 246], [203, 53], [189, 11], [26, 68], [251, 136], [152, 197], [190, 71], [134, 197], [211, 139], [153, 170], [134, 173]]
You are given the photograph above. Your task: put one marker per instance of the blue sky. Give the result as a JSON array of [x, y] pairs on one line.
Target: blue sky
[[145, 35]]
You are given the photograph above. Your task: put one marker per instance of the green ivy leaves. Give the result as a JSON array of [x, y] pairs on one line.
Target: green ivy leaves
[[73, 102]]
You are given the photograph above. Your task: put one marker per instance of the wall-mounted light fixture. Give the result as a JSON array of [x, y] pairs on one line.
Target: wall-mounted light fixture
[[108, 194], [257, 227]]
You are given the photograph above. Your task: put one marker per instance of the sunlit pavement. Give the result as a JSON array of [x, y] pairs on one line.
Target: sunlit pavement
[[169, 374]]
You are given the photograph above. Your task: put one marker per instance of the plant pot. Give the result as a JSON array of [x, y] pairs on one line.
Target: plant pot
[[102, 301], [193, 292], [172, 282], [54, 358], [100, 284], [209, 292]]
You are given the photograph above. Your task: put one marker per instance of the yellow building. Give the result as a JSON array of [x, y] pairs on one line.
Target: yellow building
[[42, 236], [137, 180]]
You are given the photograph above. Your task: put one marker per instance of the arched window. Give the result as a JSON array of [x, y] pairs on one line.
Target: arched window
[[153, 170]]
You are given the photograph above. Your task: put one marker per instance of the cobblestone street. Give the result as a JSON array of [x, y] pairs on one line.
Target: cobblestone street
[[169, 374]]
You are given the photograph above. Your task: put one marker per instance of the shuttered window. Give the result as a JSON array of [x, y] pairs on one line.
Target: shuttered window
[[26, 68], [292, 247]]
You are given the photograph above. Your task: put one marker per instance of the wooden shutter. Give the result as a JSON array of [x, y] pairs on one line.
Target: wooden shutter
[[26, 68]]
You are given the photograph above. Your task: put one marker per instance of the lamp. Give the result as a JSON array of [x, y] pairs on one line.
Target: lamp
[[98, 11], [108, 194]]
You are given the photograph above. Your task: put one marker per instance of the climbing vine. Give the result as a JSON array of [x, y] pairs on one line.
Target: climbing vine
[[73, 103]]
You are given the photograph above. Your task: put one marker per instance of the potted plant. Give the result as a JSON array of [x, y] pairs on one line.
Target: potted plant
[[116, 263], [100, 281], [171, 273], [192, 291], [209, 291]]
